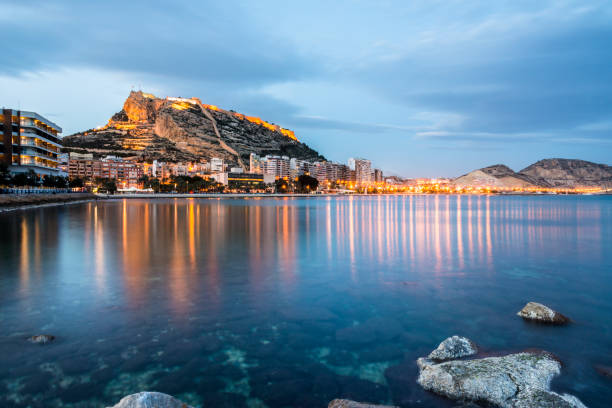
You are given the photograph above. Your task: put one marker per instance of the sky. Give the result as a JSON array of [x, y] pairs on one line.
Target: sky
[[422, 88]]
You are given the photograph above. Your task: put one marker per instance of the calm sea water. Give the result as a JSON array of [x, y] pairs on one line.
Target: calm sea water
[[294, 302]]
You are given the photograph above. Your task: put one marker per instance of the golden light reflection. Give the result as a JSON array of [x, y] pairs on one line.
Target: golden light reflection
[[24, 260], [197, 250], [100, 268]]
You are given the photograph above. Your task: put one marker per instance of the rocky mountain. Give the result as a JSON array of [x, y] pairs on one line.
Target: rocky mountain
[[185, 129], [497, 175], [569, 173], [549, 173]]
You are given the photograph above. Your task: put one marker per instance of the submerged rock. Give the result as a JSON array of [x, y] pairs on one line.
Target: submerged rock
[[452, 348], [41, 338], [606, 371], [150, 400], [343, 403], [540, 313], [513, 381]]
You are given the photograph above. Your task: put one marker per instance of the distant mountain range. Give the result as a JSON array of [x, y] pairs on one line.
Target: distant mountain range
[[185, 129], [549, 173]]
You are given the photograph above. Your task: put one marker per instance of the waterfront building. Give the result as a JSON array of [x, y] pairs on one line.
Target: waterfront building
[[277, 166], [110, 167], [244, 180], [363, 170], [239, 179], [378, 176], [256, 164], [216, 165], [330, 172], [220, 178], [30, 142], [298, 167]]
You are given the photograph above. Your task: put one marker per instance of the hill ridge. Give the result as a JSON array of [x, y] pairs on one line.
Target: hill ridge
[[185, 129]]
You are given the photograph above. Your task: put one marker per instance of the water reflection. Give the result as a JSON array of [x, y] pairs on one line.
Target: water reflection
[[261, 277], [441, 234]]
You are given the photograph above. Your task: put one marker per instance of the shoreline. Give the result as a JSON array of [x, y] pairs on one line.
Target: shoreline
[[14, 202], [284, 195]]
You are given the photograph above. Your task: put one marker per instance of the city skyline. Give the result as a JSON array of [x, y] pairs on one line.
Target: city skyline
[[426, 89]]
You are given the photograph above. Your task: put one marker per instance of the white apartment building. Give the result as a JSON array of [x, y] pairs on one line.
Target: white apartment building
[[277, 166], [363, 170], [216, 165], [256, 164]]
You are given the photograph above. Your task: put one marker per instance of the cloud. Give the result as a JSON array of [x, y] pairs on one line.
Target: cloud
[[204, 41], [397, 81], [512, 73]]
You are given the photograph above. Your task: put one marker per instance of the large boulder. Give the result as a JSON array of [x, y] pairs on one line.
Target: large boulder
[[343, 403], [150, 400], [513, 381], [543, 314], [452, 348]]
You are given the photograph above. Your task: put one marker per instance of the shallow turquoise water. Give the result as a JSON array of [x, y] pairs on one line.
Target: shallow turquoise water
[[293, 302]]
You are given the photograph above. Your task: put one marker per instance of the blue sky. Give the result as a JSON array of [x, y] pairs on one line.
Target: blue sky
[[422, 88]]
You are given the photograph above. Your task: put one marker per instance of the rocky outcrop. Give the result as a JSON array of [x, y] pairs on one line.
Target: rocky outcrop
[[514, 380], [569, 173], [543, 314], [41, 339], [179, 129], [452, 348], [343, 403], [150, 400]]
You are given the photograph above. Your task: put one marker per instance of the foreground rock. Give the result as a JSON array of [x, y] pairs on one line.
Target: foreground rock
[[150, 400], [342, 403], [540, 313], [452, 348], [514, 381], [41, 339]]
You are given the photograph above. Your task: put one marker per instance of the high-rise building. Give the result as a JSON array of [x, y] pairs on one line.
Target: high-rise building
[[363, 170], [378, 176], [256, 164], [29, 142], [298, 167], [329, 171], [277, 166]]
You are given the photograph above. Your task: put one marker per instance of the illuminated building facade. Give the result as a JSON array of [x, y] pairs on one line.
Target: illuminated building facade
[[363, 170], [277, 166], [216, 165], [256, 164], [378, 176], [328, 171], [30, 142], [298, 167], [111, 168]]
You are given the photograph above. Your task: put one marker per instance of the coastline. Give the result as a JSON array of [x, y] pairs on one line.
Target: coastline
[[289, 195], [13, 202]]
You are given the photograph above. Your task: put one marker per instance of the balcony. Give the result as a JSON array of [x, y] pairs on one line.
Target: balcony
[[40, 145], [38, 131], [43, 155], [35, 161]]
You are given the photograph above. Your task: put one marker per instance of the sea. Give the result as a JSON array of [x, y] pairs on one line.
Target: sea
[[292, 302]]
